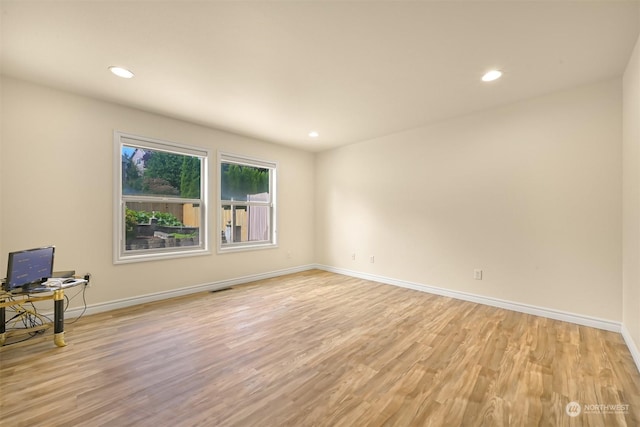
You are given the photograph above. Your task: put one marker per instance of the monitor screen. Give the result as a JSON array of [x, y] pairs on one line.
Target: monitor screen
[[29, 267]]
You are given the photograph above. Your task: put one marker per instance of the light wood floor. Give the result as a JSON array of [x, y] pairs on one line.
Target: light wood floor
[[318, 349]]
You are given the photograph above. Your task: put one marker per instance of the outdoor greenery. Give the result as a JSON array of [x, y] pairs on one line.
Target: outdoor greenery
[[164, 173], [184, 236], [238, 181], [131, 176], [163, 218], [190, 177], [133, 218], [165, 168], [131, 221]]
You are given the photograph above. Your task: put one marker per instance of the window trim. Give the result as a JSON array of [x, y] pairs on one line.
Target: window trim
[[120, 256], [273, 217]]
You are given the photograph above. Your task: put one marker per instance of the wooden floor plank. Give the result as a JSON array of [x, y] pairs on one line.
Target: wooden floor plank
[[318, 349]]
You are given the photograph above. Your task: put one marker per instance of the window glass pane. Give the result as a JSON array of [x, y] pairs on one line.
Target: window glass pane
[[247, 215], [242, 224], [151, 225], [148, 172], [244, 183]]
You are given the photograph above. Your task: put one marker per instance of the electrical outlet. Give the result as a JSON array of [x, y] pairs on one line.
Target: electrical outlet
[[477, 274], [353, 256], [372, 259]]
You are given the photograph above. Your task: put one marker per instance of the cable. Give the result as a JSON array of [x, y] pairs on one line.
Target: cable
[[21, 317], [84, 300], [25, 318], [24, 315]]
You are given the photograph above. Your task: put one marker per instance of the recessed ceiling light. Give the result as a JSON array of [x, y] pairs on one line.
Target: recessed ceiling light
[[314, 134], [121, 72], [491, 76]]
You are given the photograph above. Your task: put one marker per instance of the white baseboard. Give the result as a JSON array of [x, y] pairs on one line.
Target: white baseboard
[[593, 322], [579, 319], [632, 345], [204, 287]]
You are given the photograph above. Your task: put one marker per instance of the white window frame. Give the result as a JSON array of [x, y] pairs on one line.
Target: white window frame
[[272, 203], [120, 254]]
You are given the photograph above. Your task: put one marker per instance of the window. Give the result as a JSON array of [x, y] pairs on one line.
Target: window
[[160, 199], [247, 207]]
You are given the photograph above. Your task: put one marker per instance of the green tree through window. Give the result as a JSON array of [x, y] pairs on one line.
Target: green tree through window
[[162, 174], [239, 181], [190, 177]]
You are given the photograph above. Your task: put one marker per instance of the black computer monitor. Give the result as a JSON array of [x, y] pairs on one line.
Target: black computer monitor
[[29, 267]]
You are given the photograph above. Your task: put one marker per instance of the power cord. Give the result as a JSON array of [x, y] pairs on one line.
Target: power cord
[[84, 301], [25, 318]]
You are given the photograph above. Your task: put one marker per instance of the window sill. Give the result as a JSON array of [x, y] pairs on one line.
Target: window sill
[[246, 248], [126, 259]]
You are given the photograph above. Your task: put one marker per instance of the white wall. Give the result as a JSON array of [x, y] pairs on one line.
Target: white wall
[[2, 250], [56, 173], [530, 193], [631, 202]]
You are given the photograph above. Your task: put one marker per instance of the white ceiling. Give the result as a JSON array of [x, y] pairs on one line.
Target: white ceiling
[[350, 70]]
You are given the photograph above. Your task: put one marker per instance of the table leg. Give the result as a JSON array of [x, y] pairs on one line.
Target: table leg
[[3, 336], [58, 318]]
